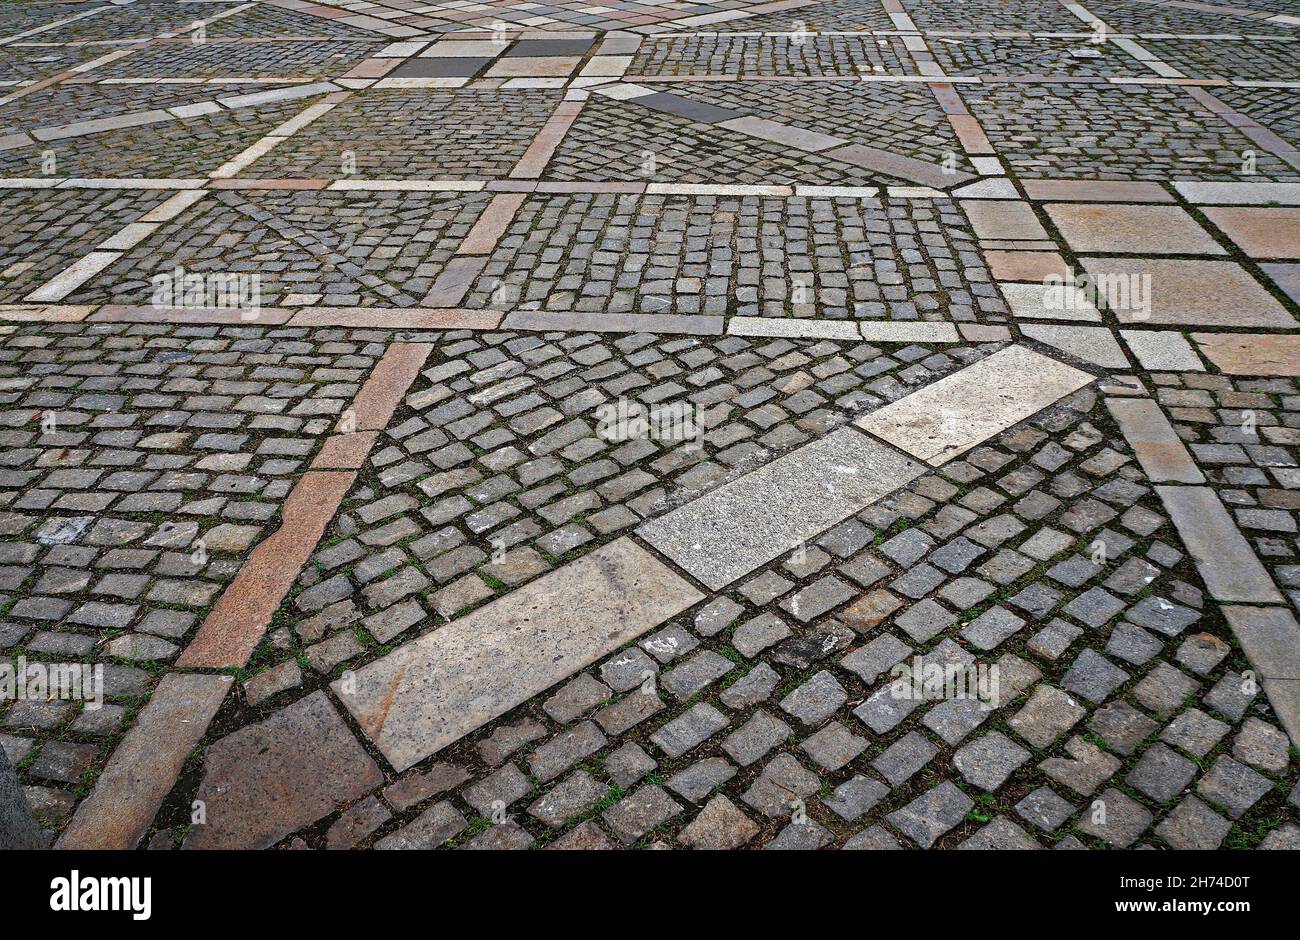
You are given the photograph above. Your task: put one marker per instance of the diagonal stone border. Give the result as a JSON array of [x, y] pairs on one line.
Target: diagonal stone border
[[242, 614]]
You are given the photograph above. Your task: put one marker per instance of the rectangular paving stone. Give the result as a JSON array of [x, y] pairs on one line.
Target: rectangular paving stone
[[1240, 194], [145, 765], [1251, 354], [949, 417], [898, 165], [784, 134], [1260, 232], [1003, 220], [1270, 638], [1094, 344], [1223, 556], [1096, 191], [734, 529], [1129, 229], [1159, 449], [1188, 293], [443, 685], [1162, 351], [699, 111], [271, 778]]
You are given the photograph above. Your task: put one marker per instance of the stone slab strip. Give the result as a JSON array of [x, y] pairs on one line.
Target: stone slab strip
[[492, 224], [1096, 191], [693, 324], [971, 135], [398, 318], [247, 158], [547, 141], [45, 313], [732, 530], [793, 327], [222, 316], [144, 768], [138, 182], [901, 332], [239, 619], [947, 418], [72, 277], [378, 398], [412, 186], [445, 684], [1270, 638], [101, 125], [1240, 194], [244, 185], [1252, 353], [174, 205], [1163, 351], [903, 167], [344, 451], [1157, 445], [454, 282], [1227, 563]]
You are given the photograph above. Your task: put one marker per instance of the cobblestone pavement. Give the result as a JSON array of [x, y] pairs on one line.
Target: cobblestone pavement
[[730, 424]]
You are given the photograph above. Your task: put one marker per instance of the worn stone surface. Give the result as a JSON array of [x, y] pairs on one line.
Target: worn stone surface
[[267, 780]]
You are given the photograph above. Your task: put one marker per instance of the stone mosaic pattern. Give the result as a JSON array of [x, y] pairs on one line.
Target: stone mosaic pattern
[[982, 15], [1277, 60], [579, 687], [68, 103], [1113, 133], [47, 231], [416, 134], [324, 59], [1044, 552], [1244, 435], [33, 63], [180, 149], [612, 141], [772, 55], [139, 21], [349, 249], [906, 260], [268, 22], [901, 118], [1012, 56], [833, 16], [141, 464], [1160, 18], [1275, 108]]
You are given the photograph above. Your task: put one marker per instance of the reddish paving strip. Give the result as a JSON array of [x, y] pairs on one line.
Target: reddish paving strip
[[1251, 354], [146, 764], [492, 224], [231, 316], [240, 617], [547, 141], [345, 451], [397, 318], [392, 376]]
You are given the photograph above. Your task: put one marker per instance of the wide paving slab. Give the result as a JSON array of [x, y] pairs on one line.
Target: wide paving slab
[[734, 529], [437, 688], [949, 417]]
